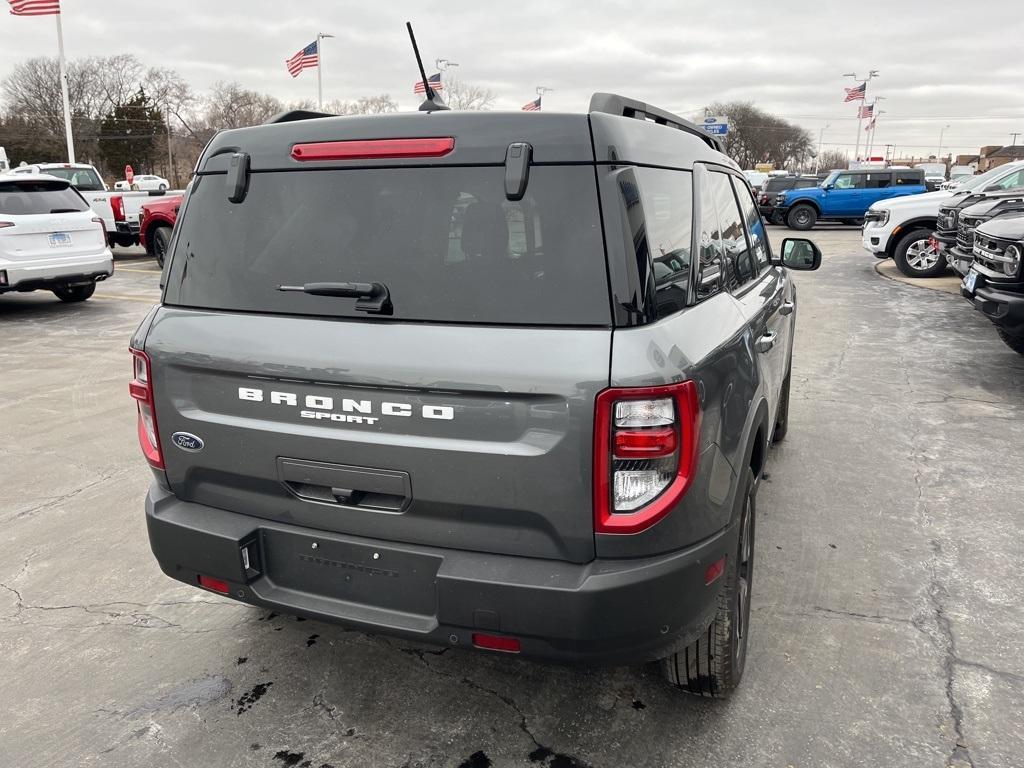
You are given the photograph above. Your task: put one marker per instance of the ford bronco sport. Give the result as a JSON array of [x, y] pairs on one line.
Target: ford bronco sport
[[504, 381]]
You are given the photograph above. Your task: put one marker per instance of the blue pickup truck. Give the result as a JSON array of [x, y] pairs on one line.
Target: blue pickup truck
[[846, 195]]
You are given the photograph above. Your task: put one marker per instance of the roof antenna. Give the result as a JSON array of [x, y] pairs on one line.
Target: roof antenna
[[433, 101]]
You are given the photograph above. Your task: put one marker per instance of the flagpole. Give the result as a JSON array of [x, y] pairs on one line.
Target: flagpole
[[64, 91], [319, 71]]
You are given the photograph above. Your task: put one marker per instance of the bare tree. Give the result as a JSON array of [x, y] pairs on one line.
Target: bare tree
[[365, 105], [830, 159], [756, 136], [459, 94], [229, 105]]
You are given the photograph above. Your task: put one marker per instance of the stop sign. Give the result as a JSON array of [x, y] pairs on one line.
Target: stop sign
[[129, 174]]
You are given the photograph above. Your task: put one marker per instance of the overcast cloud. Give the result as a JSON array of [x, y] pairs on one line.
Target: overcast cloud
[[941, 62]]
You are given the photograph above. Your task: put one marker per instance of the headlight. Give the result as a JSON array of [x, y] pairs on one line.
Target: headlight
[[1012, 266]]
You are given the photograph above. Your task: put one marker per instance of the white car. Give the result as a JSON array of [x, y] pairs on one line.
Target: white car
[[83, 177], [901, 228], [50, 239], [147, 181], [122, 186]]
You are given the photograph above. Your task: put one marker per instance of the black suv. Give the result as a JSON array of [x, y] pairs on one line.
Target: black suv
[[775, 185], [968, 218], [496, 381], [995, 283]]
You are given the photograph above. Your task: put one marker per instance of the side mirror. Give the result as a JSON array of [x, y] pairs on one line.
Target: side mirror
[[799, 253], [827, 187]]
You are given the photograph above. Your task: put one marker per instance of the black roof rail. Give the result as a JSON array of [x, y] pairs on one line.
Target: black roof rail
[[291, 115], [613, 104]]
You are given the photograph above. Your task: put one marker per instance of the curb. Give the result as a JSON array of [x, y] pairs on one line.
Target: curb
[[947, 285]]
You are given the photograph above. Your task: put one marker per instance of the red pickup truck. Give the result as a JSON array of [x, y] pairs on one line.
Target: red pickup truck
[[156, 220]]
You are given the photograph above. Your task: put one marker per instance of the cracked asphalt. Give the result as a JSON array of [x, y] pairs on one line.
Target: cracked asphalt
[[887, 614]]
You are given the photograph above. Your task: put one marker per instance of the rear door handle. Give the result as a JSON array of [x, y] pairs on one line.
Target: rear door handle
[[766, 342], [787, 308]]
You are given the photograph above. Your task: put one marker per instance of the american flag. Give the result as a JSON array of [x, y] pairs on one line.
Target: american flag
[[307, 57], [857, 92], [435, 84], [532, 106], [35, 7], [866, 110], [871, 125]]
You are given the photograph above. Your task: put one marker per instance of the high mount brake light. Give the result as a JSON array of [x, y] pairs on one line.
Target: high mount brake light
[[374, 149], [642, 465], [141, 389]]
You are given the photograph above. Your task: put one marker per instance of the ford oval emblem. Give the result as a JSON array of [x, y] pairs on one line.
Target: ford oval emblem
[[187, 441]]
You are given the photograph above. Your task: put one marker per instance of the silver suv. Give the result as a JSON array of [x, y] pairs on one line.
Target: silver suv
[[498, 381]]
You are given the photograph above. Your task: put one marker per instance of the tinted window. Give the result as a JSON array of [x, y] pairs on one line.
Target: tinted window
[[755, 228], [711, 272], [878, 180], [804, 183], [85, 179], [445, 242], [849, 181], [909, 178], [23, 198], [667, 202], [739, 266], [779, 184]]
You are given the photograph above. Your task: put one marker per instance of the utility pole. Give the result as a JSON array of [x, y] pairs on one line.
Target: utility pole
[[872, 73], [817, 157], [320, 68], [1015, 135]]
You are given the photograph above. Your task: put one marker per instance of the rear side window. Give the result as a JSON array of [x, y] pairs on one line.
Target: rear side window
[[909, 179], [27, 198], [667, 201], [444, 240], [878, 180]]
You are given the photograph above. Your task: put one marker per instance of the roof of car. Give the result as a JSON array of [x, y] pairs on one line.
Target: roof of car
[[35, 177], [480, 138]]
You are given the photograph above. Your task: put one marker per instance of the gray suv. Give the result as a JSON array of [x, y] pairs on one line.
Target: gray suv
[[499, 381]]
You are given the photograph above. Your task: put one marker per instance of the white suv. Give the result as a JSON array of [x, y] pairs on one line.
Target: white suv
[[901, 228], [50, 239]]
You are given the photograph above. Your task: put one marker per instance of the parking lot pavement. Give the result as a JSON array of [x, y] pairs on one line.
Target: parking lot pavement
[[887, 626]]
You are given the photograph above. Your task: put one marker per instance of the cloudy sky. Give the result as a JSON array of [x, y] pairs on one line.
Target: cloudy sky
[[942, 62]]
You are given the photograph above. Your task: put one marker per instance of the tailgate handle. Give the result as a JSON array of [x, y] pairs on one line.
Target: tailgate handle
[[364, 487]]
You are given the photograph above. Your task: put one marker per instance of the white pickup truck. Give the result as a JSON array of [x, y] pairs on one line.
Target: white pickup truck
[[119, 210], [901, 228]]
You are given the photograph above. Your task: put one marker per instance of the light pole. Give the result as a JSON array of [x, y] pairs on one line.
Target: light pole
[[817, 157], [941, 133], [320, 36], [872, 73], [443, 64]]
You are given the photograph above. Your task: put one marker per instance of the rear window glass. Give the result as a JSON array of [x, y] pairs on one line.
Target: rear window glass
[[85, 179], [27, 198], [445, 241]]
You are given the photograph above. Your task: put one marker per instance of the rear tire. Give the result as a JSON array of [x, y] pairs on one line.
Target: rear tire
[[1016, 343], [73, 293], [782, 419], [160, 239], [802, 217], [915, 257], [162, 188], [712, 665]]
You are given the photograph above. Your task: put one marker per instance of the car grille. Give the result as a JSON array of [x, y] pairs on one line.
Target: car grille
[[989, 252], [946, 222], [965, 231]]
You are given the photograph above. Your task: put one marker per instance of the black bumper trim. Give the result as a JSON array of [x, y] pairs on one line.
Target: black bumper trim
[[1003, 308], [48, 283], [602, 612]]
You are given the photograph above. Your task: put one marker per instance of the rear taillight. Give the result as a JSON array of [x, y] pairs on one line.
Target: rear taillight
[[117, 206], [6, 224], [141, 389], [645, 454], [103, 227]]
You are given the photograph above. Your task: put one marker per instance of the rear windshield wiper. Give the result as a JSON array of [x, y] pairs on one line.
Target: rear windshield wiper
[[65, 210], [373, 297]]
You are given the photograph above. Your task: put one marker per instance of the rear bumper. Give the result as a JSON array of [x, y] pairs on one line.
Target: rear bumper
[[602, 612], [1004, 308], [30, 276]]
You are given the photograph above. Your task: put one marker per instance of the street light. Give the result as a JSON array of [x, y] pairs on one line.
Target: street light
[[443, 64], [817, 157], [542, 89], [943, 131]]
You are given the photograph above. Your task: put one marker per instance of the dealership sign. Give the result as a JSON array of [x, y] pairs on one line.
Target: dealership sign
[[716, 126]]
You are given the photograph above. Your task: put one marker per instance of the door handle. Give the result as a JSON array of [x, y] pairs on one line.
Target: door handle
[[766, 342], [787, 308]]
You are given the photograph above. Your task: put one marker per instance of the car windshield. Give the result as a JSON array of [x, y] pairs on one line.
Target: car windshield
[[85, 179], [977, 182]]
